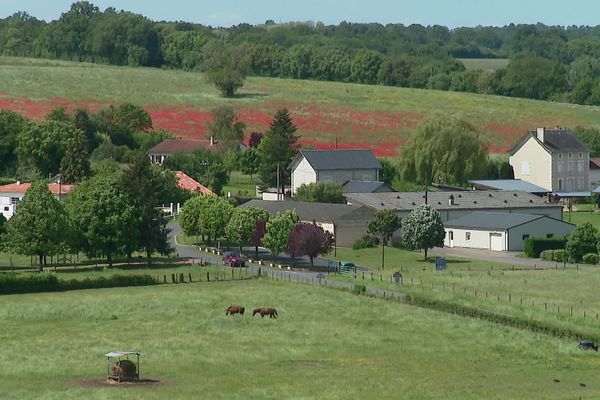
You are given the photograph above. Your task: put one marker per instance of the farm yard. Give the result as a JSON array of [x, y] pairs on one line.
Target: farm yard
[[370, 348], [357, 116]]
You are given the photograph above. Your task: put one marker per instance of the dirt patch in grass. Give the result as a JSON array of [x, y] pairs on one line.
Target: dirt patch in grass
[[103, 382]]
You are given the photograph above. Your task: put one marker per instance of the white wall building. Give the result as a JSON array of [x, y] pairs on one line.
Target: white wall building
[[12, 194], [335, 166], [501, 231]]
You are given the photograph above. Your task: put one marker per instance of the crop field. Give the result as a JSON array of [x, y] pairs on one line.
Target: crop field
[[375, 117], [369, 348]]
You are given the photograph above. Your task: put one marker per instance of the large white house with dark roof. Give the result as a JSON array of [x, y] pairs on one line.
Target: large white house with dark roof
[[554, 159], [336, 166]]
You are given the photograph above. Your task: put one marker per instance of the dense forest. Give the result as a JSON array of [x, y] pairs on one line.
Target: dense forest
[[546, 62]]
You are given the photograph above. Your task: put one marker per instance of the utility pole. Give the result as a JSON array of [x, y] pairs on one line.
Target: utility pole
[[278, 187], [426, 186]]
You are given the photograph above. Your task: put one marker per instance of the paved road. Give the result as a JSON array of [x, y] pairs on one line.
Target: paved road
[[301, 276]]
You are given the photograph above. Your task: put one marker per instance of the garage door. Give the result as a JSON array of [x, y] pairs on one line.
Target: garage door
[[495, 241]]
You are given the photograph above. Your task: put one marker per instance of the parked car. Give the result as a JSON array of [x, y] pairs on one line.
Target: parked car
[[233, 259], [346, 266], [587, 345]]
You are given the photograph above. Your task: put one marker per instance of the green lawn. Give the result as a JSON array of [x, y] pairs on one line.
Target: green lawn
[[580, 217], [240, 184], [487, 64], [369, 348]]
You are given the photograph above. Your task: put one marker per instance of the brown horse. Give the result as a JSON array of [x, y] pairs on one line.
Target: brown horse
[[271, 312], [234, 310]]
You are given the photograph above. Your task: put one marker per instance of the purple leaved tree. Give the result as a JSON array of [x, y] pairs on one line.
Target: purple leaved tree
[[310, 240], [257, 235]]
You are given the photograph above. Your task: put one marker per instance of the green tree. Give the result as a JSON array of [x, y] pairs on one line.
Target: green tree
[[365, 67], [226, 67], [278, 231], [423, 229], [147, 187], [215, 212], [243, 223], [444, 149], [383, 225], [389, 171], [11, 125], [189, 216], [84, 121], [249, 161], [277, 148], [583, 240], [226, 126], [534, 77], [119, 123], [320, 192], [58, 114], [39, 226], [75, 164], [44, 144], [207, 167], [101, 218], [2, 230]]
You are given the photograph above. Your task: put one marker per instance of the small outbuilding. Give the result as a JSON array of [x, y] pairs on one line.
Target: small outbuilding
[[500, 231]]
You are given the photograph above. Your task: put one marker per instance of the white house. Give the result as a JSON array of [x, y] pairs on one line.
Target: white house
[[501, 231], [554, 159], [12, 194], [336, 166]]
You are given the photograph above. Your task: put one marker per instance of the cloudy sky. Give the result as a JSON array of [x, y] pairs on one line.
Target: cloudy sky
[[451, 13]]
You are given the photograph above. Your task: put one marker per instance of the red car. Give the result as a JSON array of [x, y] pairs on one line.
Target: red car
[[233, 259]]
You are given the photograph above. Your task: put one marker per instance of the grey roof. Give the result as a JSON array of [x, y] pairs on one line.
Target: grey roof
[[365, 187], [469, 200], [491, 220], [555, 140], [508, 184], [573, 194], [307, 211], [340, 159]]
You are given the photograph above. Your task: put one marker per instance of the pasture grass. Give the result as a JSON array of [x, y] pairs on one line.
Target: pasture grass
[[486, 64], [241, 185], [580, 217], [325, 344]]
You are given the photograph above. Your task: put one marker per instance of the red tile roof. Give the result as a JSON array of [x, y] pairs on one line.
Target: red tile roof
[[186, 182], [22, 187], [182, 146]]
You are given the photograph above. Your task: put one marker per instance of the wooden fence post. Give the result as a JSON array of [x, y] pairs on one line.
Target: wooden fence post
[[207, 276]]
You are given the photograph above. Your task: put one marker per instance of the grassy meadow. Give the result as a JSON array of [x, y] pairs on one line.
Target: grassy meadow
[[486, 64], [369, 348], [377, 117]]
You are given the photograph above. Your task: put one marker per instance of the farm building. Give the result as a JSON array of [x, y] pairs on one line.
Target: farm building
[[366, 187], [554, 159], [159, 153], [346, 222], [12, 194], [508, 184], [335, 166], [501, 231], [452, 205]]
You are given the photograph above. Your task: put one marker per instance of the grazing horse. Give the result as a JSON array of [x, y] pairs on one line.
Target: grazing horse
[[271, 312], [234, 310]]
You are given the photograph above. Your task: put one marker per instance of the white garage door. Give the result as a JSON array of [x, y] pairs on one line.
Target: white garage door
[[495, 241]]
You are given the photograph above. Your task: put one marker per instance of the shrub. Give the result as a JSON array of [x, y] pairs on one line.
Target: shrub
[[365, 242], [359, 289], [534, 246], [590, 258], [559, 255], [547, 255]]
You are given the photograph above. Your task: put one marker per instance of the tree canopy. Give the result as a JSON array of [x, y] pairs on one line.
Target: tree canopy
[[383, 225], [423, 229], [309, 240], [242, 224], [582, 240], [278, 230], [321, 192]]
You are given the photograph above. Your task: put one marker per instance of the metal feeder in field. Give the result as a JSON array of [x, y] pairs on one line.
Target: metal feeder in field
[[121, 368]]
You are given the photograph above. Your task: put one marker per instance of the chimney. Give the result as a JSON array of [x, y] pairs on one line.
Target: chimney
[[212, 141], [18, 183], [540, 134], [451, 200]]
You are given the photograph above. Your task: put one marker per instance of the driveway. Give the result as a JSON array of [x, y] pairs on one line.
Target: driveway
[[506, 257]]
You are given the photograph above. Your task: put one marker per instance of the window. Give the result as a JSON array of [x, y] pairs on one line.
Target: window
[[580, 183], [451, 235], [560, 184], [559, 167], [6, 208], [524, 167], [570, 185], [569, 166], [570, 155], [579, 165], [550, 236], [559, 155], [580, 155], [525, 237], [468, 235]]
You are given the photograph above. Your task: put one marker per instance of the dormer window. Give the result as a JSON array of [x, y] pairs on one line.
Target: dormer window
[[580, 155], [559, 155], [570, 155]]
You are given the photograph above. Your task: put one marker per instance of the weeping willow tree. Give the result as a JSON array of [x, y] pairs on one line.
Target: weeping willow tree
[[444, 149]]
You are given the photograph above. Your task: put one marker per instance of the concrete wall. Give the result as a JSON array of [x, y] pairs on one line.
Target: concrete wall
[[538, 228], [303, 174], [539, 162], [478, 239], [351, 227]]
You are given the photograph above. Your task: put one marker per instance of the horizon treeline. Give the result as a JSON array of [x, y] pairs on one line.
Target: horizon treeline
[[546, 62]]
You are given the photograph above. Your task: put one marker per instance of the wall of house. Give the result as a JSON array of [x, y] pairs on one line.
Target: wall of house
[[539, 162], [539, 228], [6, 208], [570, 171], [303, 173], [450, 214], [593, 179], [353, 226], [341, 176], [478, 239]]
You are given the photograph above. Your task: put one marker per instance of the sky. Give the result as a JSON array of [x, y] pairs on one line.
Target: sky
[[451, 13]]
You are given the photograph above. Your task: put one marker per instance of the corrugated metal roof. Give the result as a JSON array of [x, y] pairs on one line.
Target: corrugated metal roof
[[341, 159], [508, 184], [474, 199], [365, 187], [573, 194], [307, 211], [491, 220]]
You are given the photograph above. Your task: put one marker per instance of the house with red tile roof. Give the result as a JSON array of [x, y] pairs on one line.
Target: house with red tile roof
[[186, 182], [12, 194]]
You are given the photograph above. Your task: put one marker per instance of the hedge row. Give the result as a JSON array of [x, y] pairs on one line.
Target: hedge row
[[534, 246], [16, 284], [553, 255]]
